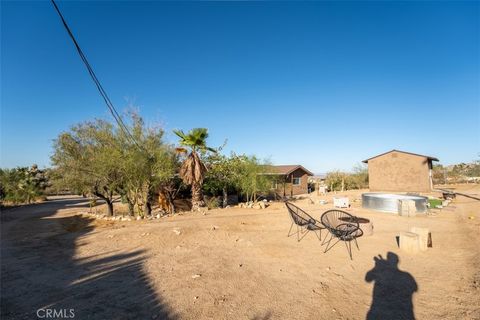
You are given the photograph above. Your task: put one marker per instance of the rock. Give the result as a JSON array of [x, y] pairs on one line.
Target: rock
[[158, 216], [215, 227], [195, 276], [177, 232], [263, 205], [240, 265], [139, 218], [195, 298]]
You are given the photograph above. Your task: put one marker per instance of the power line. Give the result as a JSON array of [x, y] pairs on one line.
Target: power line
[[99, 86]]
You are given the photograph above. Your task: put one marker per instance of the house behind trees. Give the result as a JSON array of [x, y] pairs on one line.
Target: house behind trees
[[289, 180]]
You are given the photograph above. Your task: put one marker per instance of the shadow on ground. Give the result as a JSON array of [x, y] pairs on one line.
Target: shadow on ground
[[40, 271], [393, 290]]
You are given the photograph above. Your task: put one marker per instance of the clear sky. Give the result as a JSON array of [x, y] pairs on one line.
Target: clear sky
[[321, 84]]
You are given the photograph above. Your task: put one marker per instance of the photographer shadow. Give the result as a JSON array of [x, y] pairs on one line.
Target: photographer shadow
[[393, 290]]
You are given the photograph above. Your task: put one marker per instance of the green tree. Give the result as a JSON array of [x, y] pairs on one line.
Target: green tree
[[335, 180], [251, 177], [193, 170], [88, 159], [223, 174], [101, 159], [146, 165], [359, 177]]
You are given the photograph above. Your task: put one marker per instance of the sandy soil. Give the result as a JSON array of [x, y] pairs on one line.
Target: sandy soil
[[236, 264]]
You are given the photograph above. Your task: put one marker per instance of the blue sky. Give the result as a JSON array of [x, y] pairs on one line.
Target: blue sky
[[321, 84]]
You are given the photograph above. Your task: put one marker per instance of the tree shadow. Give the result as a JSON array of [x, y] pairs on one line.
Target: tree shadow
[[393, 290], [40, 270]]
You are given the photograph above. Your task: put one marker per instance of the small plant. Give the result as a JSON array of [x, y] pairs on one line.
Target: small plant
[[212, 203], [434, 203]]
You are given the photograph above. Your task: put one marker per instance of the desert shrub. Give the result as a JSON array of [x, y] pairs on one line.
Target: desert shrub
[[340, 181], [212, 202], [22, 185]]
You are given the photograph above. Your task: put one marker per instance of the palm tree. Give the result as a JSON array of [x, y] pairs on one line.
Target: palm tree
[[193, 170]]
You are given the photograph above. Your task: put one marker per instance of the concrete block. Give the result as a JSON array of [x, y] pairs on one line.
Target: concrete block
[[341, 202], [409, 242], [407, 208], [422, 235]]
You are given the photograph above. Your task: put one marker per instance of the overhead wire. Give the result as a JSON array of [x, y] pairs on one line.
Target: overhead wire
[[99, 86]]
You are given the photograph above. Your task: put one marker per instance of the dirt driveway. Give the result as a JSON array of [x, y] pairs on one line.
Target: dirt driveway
[[234, 264]]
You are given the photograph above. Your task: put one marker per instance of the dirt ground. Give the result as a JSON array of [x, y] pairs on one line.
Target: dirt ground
[[236, 264]]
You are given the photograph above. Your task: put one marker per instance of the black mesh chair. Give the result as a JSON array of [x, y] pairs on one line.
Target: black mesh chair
[[304, 222], [343, 227]]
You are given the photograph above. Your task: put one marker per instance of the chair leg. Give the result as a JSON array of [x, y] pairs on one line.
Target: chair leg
[[304, 234], [291, 226], [349, 248], [328, 244], [356, 243], [325, 239]]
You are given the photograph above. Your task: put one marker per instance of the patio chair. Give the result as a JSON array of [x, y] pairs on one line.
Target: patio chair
[[304, 222], [343, 227]]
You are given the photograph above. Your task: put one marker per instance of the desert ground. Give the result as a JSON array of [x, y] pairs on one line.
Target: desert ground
[[236, 263]]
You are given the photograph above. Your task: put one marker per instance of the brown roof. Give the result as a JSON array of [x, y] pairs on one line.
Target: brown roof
[[287, 169], [394, 150]]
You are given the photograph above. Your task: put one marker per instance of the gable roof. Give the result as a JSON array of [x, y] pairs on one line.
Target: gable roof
[[287, 169], [410, 153]]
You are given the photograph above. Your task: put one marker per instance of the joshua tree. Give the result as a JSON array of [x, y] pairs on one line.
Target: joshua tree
[[193, 169]]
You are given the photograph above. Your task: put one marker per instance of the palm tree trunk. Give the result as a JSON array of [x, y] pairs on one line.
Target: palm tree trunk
[[197, 197]]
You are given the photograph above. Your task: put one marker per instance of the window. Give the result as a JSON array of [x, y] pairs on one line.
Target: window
[[274, 185], [296, 181]]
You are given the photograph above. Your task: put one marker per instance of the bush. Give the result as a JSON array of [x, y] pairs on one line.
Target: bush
[[22, 185], [212, 203]]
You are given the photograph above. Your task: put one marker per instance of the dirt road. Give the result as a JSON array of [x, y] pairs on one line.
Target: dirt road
[[234, 264]]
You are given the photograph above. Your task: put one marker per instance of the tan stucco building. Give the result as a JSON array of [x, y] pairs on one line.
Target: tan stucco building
[[400, 171]]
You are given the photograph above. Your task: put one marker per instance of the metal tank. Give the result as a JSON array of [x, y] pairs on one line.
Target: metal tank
[[387, 202]]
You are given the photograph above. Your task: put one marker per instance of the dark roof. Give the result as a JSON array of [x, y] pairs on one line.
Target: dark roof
[[394, 150], [287, 169]]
